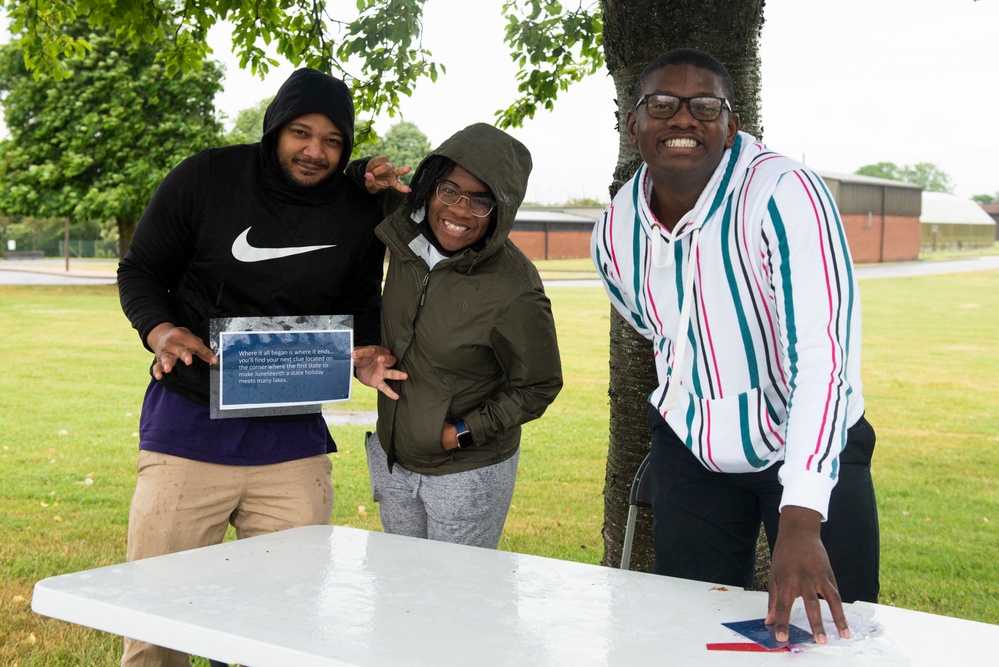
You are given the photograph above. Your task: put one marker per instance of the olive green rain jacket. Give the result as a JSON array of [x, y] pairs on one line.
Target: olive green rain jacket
[[475, 334]]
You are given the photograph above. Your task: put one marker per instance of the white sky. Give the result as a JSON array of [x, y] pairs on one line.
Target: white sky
[[845, 83]]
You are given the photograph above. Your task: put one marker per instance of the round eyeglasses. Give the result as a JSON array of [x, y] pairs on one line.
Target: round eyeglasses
[[449, 195], [666, 106]]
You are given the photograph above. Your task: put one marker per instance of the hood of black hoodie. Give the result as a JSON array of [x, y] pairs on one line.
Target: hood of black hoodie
[[306, 91]]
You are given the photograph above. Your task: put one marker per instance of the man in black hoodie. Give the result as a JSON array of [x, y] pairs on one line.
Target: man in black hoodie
[[268, 229]]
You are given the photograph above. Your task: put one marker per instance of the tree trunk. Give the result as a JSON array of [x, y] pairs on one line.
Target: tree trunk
[[126, 229], [635, 32]]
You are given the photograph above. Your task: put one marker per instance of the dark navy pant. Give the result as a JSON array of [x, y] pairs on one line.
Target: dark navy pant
[[705, 524]]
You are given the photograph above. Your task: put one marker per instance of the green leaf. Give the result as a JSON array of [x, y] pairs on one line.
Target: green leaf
[[90, 141]]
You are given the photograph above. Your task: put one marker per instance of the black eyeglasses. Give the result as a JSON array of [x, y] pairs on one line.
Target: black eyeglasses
[[666, 106], [449, 195]]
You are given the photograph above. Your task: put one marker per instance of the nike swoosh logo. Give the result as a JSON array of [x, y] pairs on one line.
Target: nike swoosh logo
[[244, 252]]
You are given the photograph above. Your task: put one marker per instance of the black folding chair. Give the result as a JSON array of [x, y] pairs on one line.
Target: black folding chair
[[641, 496]]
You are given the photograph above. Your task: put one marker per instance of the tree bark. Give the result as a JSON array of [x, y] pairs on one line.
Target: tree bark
[[126, 229], [635, 32]]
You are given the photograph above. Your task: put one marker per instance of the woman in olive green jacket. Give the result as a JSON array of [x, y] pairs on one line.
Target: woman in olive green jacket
[[468, 324]]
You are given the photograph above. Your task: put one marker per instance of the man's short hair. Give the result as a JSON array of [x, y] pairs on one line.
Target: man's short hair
[[686, 56]]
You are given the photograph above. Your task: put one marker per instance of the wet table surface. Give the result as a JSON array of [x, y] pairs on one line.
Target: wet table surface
[[331, 595]]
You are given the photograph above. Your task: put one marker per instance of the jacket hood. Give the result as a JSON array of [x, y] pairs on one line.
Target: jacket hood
[[310, 91], [498, 160]]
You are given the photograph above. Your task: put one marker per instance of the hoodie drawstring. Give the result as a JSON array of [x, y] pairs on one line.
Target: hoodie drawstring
[[681, 334], [657, 245]]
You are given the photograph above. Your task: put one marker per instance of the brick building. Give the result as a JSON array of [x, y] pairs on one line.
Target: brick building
[[881, 219], [554, 233]]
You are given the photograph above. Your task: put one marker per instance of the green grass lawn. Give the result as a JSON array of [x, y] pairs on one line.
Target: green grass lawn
[[72, 374]]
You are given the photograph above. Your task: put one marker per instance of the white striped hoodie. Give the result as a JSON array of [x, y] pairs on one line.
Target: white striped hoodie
[[758, 281]]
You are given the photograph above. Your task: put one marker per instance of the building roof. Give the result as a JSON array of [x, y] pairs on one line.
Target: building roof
[[559, 215], [869, 180], [942, 208]]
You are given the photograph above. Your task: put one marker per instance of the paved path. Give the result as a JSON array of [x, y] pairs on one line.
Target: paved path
[[909, 269], [870, 271], [335, 417], [30, 278], [53, 272]]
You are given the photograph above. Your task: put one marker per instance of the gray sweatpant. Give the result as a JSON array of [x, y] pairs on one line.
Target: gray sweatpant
[[462, 508]]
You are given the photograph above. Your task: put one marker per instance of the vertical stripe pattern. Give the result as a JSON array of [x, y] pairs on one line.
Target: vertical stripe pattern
[[771, 370]]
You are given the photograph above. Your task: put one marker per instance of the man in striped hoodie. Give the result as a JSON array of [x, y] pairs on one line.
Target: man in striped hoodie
[[733, 261]]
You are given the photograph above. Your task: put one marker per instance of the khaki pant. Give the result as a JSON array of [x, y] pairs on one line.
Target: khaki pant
[[181, 504]]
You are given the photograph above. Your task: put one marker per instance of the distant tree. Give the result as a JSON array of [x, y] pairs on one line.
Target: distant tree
[[5, 222], [95, 145], [31, 233], [886, 170], [924, 174], [249, 125], [930, 176], [986, 199], [405, 144], [587, 201]]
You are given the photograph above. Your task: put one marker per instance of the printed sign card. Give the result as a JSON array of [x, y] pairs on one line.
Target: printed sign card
[[272, 366]]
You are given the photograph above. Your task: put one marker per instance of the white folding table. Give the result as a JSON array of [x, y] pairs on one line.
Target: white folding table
[[337, 596]]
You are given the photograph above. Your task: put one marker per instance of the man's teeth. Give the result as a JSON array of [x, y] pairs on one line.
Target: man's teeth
[[453, 227], [681, 142]]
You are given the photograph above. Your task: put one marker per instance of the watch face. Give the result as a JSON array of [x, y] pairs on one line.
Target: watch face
[[465, 439]]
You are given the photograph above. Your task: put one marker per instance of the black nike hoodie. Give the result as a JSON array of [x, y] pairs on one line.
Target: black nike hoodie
[[227, 234]]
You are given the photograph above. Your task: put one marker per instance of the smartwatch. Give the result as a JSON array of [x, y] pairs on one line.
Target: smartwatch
[[464, 435]]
